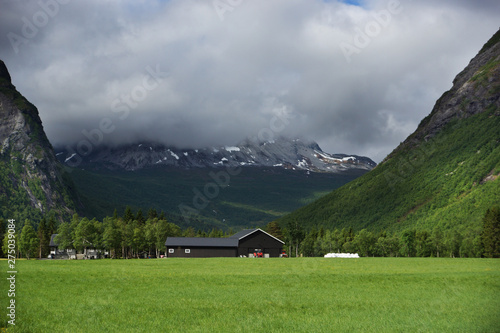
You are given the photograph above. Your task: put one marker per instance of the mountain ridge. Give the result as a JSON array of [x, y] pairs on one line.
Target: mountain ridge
[[465, 98], [291, 154]]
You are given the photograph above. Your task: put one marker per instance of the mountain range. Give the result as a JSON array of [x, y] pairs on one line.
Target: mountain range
[[249, 184], [290, 154]]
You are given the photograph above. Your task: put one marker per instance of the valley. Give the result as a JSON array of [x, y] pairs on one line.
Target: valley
[[253, 197], [443, 177], [209, 166]]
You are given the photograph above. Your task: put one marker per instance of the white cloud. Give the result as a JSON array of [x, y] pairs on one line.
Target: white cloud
[[227, 77]]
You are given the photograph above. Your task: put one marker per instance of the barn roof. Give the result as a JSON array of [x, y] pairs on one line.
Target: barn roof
[[201, 241], [232, 241], [247, 232], [243, 233], [52, 240]]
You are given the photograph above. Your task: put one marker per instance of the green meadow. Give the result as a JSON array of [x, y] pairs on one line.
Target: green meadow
[[256, 295]]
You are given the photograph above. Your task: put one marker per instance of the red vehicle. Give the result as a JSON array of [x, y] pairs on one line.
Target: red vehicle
[[258, 253]]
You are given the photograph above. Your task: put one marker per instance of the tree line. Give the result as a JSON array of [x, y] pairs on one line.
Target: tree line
[[126, 236], [467, 243], [132, 235]]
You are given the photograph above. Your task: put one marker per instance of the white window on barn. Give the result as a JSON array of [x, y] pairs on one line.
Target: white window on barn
[[170, 250], [187, 250]]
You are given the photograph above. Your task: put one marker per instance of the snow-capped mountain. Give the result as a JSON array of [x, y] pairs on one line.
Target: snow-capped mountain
[[284, 153]]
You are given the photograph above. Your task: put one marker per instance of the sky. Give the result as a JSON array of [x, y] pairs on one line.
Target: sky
[[355, 76]]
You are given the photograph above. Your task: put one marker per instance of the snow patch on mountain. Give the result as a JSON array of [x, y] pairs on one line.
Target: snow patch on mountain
[[293, 154]]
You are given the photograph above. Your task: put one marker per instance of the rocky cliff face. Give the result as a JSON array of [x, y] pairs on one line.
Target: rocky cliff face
[[280, 153], [32, 181], [476, 89]]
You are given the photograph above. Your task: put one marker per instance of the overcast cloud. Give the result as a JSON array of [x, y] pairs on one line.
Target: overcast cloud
[[221, 73]]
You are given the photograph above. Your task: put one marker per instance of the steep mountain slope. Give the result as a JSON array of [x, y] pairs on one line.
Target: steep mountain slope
[[32, 181], [282, 152], [445, 173]]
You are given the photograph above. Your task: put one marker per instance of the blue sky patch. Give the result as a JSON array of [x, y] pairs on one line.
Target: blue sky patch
[[354, 2]]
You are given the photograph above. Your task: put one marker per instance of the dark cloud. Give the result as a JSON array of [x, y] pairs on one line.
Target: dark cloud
[[189, 74]]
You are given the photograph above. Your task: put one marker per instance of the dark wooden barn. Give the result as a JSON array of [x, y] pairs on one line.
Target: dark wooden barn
[[249, 242]]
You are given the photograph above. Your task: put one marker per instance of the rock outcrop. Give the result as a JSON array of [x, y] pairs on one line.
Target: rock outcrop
[[32, 181], [476, 89]]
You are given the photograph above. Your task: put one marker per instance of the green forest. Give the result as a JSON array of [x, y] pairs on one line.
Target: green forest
[[256, 196], [138, 235]]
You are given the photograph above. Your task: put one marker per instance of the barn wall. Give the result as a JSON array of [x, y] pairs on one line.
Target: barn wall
[[201, 252], [259, 240]]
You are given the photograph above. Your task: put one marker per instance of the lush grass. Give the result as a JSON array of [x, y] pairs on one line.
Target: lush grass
[[258, 295]]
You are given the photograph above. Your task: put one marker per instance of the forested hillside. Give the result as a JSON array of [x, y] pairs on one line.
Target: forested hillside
[[252, 198]]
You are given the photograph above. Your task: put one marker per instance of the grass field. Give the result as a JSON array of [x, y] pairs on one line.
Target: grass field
[[256, 295]]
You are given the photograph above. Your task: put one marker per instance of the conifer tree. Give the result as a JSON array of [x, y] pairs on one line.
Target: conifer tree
[[152, 214], [51, 225], [140, 218], [491, 233], [128, 216], [273, 228], [44, 237]]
